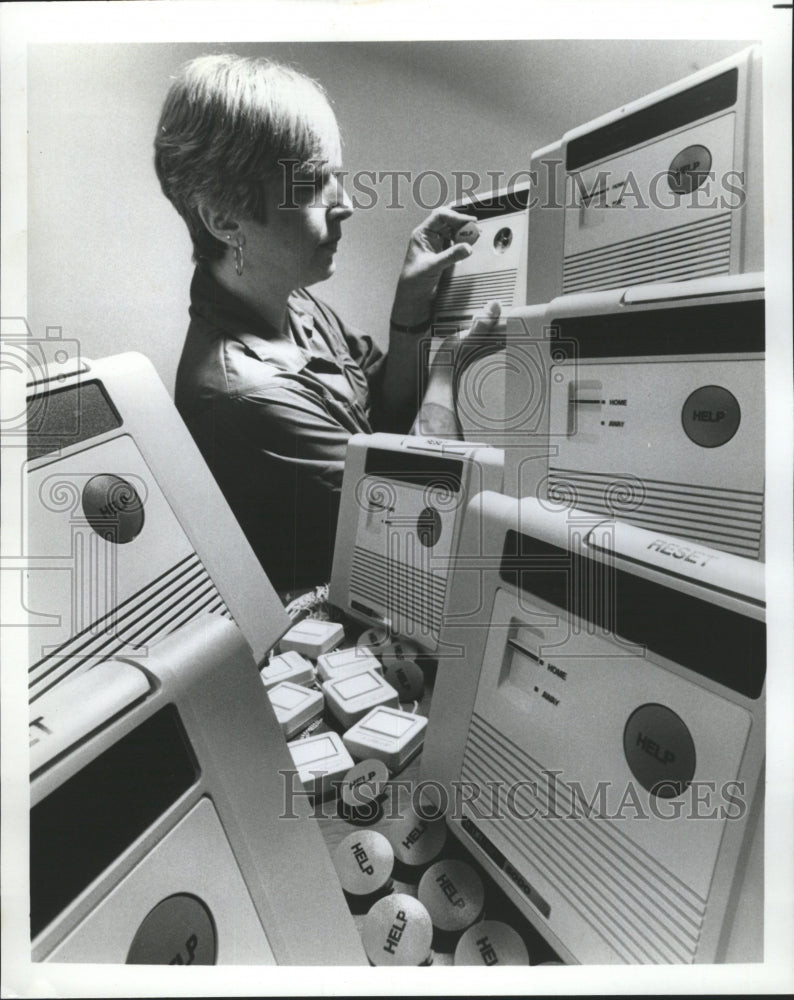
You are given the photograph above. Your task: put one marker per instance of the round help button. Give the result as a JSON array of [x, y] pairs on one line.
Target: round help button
[[364, 863], [689, 169], [407, 679], [395, 653], [416, 841], [361, 792], [491, 942], [659, 750], [398, 931], [428, 527], [178, 931], [454, 895], [113, 508], [711, 416]]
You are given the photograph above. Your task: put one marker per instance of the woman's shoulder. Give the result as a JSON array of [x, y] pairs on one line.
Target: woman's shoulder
[[213, 367]]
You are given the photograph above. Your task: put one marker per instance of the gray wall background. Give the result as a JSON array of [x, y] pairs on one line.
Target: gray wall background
[[109, 258]]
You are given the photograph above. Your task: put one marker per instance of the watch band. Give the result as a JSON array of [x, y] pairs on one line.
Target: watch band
[[418, 328]]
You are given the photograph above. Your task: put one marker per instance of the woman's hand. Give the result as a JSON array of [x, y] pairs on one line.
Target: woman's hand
[[430, 252], [438, 413], [485, 336]]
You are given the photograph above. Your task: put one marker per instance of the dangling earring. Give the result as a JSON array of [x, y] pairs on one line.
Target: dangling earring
[[239, 262]]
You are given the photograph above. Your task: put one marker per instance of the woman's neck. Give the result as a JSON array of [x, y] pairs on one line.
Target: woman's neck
[[261, 296]]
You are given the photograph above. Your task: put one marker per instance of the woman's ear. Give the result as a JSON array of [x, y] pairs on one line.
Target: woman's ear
[[221, 225]]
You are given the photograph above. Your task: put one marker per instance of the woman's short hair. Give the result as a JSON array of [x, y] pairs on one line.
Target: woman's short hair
[[227, 123]]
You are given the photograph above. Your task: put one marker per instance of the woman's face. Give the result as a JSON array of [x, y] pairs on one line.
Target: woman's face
[[297, 243]]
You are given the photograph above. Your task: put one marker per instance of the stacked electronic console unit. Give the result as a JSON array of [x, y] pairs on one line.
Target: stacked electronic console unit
[[647, 404], [666, 188], [599, 747], [399, 529], [167, 825], [495, 272], [496, 269], [610, 675]]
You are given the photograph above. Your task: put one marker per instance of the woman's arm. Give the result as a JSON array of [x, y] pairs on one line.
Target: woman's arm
[[437, 414], [430, 252]]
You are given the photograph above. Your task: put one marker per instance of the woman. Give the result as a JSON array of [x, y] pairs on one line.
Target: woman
[[271, 382]]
